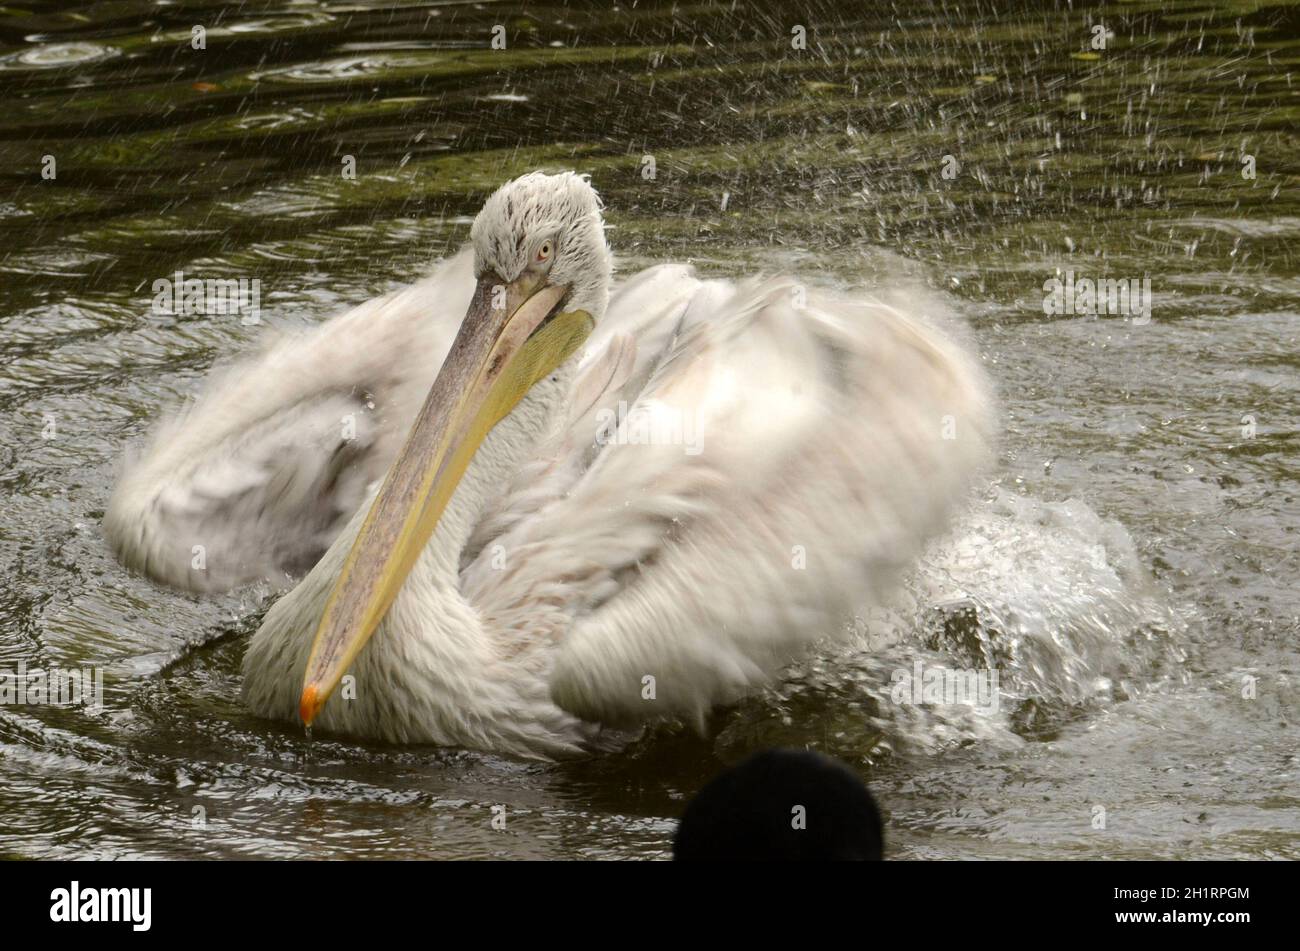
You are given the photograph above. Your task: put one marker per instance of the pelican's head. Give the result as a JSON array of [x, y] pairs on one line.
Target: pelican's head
[[543, 271], [546, 228]]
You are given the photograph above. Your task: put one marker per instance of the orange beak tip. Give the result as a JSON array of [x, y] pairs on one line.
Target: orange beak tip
[[309, 705]]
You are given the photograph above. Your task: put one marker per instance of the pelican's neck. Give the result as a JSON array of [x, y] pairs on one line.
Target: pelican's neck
[[432, 672], [506, 448]]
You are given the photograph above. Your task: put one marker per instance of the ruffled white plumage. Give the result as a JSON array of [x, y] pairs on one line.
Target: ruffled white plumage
[[581, 576], [823, 468], [272, 460]]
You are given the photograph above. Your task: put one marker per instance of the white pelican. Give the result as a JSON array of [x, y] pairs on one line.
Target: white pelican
[[604, 511]]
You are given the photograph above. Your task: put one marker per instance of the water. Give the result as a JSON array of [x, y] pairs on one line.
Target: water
[[1133, 559]]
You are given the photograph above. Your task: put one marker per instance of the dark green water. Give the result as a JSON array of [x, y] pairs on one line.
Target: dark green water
[[1140, 552]]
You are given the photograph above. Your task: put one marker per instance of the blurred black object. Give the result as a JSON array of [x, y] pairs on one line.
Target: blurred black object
[[782, 805]]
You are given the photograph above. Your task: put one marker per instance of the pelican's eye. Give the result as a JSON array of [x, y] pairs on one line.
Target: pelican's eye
[[544, 251]]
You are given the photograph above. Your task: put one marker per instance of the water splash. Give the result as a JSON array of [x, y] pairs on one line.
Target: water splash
[[1049, 595]]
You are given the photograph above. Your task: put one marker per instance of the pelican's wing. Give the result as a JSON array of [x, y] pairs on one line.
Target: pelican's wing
[[778, 457], [258, 477]]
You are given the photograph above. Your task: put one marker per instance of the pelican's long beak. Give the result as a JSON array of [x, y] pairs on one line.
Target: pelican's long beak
[[511, 337]]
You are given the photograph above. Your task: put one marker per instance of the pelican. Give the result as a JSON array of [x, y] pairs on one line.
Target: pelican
[[569, 512]]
